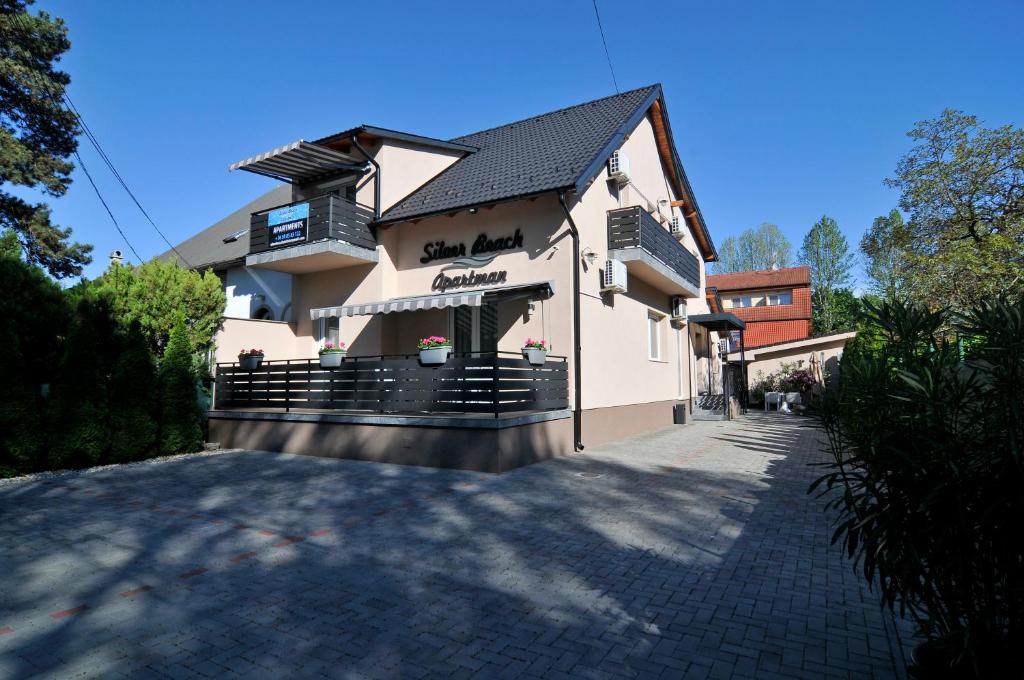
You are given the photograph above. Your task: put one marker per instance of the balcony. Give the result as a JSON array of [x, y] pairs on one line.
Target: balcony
[[651, 253], [472, 385], [326, 232]]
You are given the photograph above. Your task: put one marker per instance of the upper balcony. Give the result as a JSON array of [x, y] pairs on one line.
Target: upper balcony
[[325, 232], [651, 253]]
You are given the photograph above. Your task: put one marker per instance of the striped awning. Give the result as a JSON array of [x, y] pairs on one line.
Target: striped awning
[[410, 304], [299, 162], [471, 298]]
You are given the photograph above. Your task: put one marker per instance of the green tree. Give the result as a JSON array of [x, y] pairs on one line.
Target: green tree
[[180, 430], [884, 246], [155, 294], [37, 135], [79, 405], [845, 307], [763, 248], [133, 387], [826, 252], [33, 321], [962, 187]]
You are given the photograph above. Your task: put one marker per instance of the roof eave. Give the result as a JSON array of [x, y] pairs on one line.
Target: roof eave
[[385, 220]]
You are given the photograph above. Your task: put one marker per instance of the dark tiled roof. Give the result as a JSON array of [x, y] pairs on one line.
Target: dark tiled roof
[[207, 248], [764, 278], [551, 151]]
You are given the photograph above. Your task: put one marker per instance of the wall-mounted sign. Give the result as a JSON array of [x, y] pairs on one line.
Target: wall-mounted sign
[[482, 252], [288, 225], [443, 282]]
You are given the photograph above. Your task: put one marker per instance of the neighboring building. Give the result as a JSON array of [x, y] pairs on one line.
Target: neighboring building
[[775, 304], [577, 226]]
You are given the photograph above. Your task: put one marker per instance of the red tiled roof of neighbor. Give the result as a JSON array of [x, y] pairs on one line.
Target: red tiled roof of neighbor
[[799, 309], [759, 334], [762, 279]]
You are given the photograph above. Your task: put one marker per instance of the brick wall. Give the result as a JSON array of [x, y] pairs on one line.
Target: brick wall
[[758, 334]]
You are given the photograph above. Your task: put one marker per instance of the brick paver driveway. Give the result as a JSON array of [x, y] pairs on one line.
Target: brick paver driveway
[[689, 552]]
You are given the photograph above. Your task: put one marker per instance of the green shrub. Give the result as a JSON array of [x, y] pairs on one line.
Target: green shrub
[[78, 411], [926, 472], [33, 321], [133, 386], [180, 430]]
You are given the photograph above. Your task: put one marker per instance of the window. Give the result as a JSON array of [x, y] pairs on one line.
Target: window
[[785, 298], [654, 336], [329, 330]]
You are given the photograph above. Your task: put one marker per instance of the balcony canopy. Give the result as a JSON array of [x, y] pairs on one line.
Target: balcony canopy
[[722, 322], [471, 298], [299, 162]]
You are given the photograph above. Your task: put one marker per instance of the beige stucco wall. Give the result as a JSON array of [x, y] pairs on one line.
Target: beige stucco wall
[[405, 167], [769, 362], [276, 338]]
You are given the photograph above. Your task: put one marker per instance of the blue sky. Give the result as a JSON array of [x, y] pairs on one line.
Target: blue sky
[[782, 111]]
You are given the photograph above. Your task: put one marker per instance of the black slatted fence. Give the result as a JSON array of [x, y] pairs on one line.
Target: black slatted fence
[[487, 383]]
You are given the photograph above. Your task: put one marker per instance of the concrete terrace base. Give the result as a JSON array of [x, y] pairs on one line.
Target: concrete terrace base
[[601, 425], [480, 444]]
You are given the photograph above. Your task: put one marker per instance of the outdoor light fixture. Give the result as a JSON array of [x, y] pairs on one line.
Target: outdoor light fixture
[[473, 211], [589, 255]]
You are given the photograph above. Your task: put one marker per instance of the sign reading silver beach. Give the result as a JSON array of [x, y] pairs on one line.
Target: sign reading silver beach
[[484, 249]]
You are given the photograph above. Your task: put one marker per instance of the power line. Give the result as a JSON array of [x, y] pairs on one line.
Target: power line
[[605, 43], [28, 30], [99, 149]]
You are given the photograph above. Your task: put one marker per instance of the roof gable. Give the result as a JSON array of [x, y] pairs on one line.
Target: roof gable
[[763, 278], [557, 150]]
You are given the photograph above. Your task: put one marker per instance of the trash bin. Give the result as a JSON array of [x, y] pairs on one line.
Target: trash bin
[[681, 414]]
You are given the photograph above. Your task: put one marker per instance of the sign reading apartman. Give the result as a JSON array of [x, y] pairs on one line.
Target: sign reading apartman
[[442, 282]]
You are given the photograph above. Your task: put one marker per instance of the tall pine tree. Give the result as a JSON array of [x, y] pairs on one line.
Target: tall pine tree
[[37, 135]]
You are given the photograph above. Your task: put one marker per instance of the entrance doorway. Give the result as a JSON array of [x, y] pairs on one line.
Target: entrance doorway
[[475, 329]]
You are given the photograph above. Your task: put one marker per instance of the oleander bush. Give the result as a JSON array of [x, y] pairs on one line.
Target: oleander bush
[[926, 472]]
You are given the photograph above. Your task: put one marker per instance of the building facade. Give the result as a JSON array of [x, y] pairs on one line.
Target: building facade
[[775, 305], [578, 227]]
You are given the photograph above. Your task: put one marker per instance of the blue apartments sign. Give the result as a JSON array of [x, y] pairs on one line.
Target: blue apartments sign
[[288, 225]]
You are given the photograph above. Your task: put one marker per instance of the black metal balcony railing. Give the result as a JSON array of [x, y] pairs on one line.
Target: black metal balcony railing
[[330, 217], [635, 228], [477, 382]]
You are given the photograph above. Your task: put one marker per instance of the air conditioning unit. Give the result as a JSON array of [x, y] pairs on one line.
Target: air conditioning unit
[[679, 309], [618, 168], [615, 277], [723, 347], [676, 227]]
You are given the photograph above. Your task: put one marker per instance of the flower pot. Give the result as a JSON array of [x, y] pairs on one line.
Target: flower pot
[[250, 363], [434, 355], [535, 356], [331, 359]]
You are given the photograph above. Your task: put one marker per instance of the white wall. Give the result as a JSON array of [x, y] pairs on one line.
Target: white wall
[[242, 286]]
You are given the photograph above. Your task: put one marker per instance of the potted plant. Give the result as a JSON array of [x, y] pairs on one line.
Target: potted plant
[[331, 354], [434, 350], [250, 359], [535, 351]]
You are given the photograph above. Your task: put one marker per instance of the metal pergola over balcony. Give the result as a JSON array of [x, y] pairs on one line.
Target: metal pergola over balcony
[[300, 162]]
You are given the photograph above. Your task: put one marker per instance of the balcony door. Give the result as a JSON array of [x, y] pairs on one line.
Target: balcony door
[[475, 329]]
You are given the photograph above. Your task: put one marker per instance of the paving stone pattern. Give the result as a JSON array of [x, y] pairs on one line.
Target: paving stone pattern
[[691, 552]]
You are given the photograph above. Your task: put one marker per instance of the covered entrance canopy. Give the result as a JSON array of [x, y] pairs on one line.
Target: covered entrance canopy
[[472, 298], [726, 323]]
